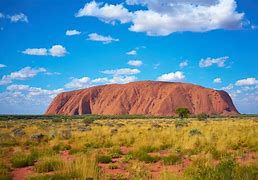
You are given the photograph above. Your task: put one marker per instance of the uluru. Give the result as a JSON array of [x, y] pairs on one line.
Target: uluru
[[142, 98]]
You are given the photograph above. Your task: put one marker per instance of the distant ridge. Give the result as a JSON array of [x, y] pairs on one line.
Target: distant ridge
[[142, 97]]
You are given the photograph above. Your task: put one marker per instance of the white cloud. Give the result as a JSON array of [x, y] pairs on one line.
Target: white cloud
[[254, 27], [55, 50], [122, 79], [23, 99], [78, 83], [2, 15], [220, 62], [72, 32], [36, 51], [100, 80], [85, 82], [133, 52], [217, 80], [155, 66], [135, 62], [177, 76], [18, 17], [2, 65], [122, 71], [100, 38], [183, 64], [58, 51], [23, 74], [161, 18], [247, 82], [227, 88], [107, 13]]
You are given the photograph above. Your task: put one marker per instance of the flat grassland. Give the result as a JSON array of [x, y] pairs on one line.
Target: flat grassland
[[119, 148]]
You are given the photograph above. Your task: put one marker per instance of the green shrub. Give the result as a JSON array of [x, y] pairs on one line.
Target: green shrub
[[143, 156], [202, 116], [172, 159], [194, 132], [246, 172], [127, 158], [148, 149], [61, 147], [165, 146], [225, 169], [182, 112], [89, 146], [115, 153], [23, 160], [49, 164], [201, 170], [104, 159], [4, 172]]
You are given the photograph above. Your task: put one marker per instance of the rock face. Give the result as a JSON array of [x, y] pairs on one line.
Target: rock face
[[144, 97]]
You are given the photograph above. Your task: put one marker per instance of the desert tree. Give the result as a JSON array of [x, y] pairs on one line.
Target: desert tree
[[182, 112]]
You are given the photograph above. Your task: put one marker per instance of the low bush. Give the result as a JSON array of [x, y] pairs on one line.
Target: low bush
[[246, 172], [104, 159], [23, 160], [225, 169], [148, 149], [61, 147], [201, 169], [48, 164], [145, 157], [202, 116], [194, 132], [4, 172], [172, 159], [115, 153]]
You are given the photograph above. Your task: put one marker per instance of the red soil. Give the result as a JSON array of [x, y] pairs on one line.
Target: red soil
[[21, 173]]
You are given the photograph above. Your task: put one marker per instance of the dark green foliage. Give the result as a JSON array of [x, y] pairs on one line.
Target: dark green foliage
[[115, 153], [145, 157], [104, 159], [182, 112], [181, 123], [172, 159], [225, 169], [148, 149], [23, 160], [202, 116], [88, 121], [201, 170], [61, 147], [194, 132], [4, 172], [165, 146], [246, 172], [127, 157], [48, 165]]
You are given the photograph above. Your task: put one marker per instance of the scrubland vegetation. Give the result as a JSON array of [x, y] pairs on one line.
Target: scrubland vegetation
[[94, 147]]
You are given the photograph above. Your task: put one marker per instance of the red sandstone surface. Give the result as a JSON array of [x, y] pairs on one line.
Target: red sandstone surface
[[143, 97]]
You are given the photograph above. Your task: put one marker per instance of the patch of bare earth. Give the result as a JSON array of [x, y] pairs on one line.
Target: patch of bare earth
[[157, 168], [21, 173], [248, 158], [65, 155], [120, 168]]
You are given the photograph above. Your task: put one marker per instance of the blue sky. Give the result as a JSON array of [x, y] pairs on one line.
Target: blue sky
[[47, 47]]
